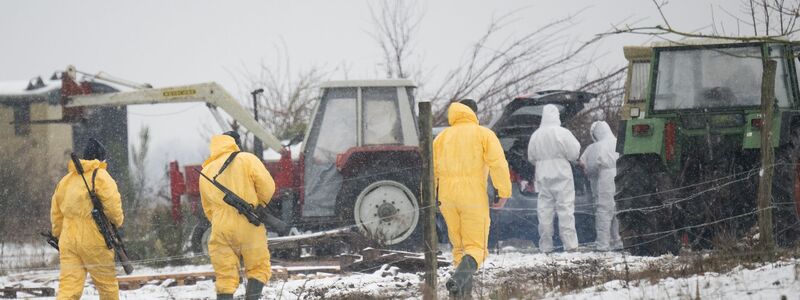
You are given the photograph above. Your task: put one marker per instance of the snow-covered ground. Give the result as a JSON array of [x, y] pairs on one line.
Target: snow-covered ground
[[531, 275], [16, 256]]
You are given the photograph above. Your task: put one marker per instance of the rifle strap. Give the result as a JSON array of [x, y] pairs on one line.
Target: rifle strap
[[226, 163], [94, 175]]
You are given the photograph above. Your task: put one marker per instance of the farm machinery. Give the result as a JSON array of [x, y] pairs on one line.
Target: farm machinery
[[358, 166], [690, 140]]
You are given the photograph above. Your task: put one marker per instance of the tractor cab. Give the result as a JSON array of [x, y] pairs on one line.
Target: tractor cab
[[363, 133]]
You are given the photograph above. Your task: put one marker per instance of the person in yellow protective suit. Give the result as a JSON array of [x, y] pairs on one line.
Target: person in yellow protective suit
[[81, 246], [462, 155], [232, 236]]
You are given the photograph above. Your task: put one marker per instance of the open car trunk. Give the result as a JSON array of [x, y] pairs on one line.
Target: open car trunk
[[522, 117]]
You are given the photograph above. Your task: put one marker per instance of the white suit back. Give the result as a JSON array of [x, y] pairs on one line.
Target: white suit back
[[552, 147]]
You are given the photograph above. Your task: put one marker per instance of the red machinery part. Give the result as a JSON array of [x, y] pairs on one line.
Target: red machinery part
[[344, 158], [177, 187], [797, 189], [669, 141], [193, 186], [70, 88], [285, 173]]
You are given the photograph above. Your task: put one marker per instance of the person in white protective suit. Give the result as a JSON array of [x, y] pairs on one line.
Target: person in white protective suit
[[551, 149], [599, 160]]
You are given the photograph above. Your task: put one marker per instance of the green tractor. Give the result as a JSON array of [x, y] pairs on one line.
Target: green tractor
[[690, 138]]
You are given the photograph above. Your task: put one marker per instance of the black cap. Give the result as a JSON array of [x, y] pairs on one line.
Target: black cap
[[471, 104], [94, 150], [235, 136]]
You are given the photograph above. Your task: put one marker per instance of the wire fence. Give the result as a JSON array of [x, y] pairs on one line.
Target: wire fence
[[717, 183]]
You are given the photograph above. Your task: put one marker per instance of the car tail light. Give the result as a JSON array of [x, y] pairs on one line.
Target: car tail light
[[514, 176], [757, 123], [641, 129]]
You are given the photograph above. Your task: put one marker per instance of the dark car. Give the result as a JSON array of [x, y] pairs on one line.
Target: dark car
[[520, 118]]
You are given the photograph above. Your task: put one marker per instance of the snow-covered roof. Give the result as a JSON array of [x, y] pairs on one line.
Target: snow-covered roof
[[367, 83], [20, 88], [17, 91]]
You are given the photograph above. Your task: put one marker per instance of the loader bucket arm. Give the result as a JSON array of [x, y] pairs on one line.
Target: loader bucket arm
[[211, 93]]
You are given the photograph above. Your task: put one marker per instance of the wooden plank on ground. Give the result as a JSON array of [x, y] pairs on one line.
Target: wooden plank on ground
[[11, 292], [191, 278]]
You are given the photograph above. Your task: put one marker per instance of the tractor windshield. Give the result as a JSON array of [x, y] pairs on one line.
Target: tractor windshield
[[714, 78]]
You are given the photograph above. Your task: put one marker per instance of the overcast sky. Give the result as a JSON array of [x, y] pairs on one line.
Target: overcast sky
[[180, 42]]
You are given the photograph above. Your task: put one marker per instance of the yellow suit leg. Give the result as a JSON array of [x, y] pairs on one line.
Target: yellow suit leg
[[73, 274], [225, 262], [453, 219], [100, 264], [475, 229], [255, 254]]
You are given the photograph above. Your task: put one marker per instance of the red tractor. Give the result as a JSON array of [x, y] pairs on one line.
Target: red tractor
[[358, 166]]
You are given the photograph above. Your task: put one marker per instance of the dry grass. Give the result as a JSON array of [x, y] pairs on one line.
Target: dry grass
[[535, 282]]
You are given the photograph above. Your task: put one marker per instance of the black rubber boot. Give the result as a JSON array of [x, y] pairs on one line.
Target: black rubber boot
[[460, 284], [253, 289], [224, 296]]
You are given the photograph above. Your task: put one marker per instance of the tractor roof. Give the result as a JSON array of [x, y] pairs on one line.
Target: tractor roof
[[717, 41], [644, 52], [368, 83]]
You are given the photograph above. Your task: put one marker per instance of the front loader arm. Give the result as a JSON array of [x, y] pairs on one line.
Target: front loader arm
[[211, 93]]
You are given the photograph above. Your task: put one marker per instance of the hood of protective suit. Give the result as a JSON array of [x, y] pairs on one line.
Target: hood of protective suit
[[88, 165], [550, 116], [601, 131], [459, 113], [220, 145]]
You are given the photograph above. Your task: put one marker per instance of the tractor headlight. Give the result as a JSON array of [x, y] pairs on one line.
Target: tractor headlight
[[635, 112]]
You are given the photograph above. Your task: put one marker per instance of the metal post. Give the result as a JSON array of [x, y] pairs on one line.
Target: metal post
[[427, 199], [767, 158], [258, 147]]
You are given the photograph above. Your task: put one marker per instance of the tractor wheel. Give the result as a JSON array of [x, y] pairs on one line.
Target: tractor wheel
[[200, 235], [642, 182], [786, 191], [384, 208]]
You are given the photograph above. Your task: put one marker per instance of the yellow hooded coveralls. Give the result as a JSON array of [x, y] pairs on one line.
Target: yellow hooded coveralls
[[462, 153], [232, 235], [81, 245]]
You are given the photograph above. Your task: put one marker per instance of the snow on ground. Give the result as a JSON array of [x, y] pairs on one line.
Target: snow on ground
[[771, 281], [500, 270]]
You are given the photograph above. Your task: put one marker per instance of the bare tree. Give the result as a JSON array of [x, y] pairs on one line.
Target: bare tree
[[776, 18], [289, 93], [609, 88], [498, 67], [139, 182], [395, 23]]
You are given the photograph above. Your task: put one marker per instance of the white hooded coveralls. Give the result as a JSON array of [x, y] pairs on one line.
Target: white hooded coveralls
[[600, 159], [550, 149]]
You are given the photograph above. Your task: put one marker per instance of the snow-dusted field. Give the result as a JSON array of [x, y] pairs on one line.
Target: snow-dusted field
[[14, 256], [770, 281]]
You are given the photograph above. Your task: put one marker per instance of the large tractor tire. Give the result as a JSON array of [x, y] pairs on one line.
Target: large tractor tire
[[786, 191], [200, 235], [384, 207], [642, 183]]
